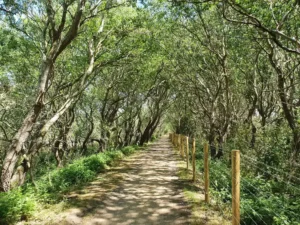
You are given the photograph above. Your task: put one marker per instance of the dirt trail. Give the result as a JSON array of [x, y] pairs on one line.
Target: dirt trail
[[144, 189]]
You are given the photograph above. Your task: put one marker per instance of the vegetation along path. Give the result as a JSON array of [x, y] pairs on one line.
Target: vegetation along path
[[150, 193]]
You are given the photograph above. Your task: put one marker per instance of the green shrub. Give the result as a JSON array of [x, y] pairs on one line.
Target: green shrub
[[14, 205], [115, 155], [74, 174], [45, 162], [79, 172], [128, 150], [96, 163], [263, 201], [136, 147]]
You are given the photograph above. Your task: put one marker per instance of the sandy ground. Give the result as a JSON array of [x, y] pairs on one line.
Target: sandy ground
[[143, 189]]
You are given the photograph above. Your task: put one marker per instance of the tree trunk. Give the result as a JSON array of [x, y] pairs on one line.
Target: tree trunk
[[56, 148], [59, 40], [87, 137], [288, 111], [145, 137], [21, 136], [253, 135]]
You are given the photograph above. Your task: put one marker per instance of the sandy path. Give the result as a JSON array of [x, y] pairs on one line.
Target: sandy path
[[145, 190]]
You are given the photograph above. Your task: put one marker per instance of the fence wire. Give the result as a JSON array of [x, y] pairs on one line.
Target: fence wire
[[250, 192]]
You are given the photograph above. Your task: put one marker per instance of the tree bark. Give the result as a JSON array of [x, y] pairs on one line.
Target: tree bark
[[58, 44], [21, 136], [150, 128], [288, 111]]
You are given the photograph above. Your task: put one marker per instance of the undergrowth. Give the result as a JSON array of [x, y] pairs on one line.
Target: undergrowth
[[263, 201], [20, 203]]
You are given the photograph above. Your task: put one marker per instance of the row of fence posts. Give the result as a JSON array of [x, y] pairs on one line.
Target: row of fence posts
[[181, 142]]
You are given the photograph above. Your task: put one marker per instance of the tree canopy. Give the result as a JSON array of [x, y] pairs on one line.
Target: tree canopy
[[80, 77]]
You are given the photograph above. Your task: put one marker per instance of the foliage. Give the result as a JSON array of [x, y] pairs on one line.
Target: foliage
[[20, 203], [78, 172], [261, 199], [108, 86], [15, 205], [128, 150], [223, 71]]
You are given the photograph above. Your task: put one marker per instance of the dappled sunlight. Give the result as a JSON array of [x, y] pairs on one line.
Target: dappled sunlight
[[147, 188], [151, 187], [146, 192]]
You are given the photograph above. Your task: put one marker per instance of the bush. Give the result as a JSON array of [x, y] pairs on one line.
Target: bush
[[128, 150], [14, 205], [115, 155], [263, 201], [79, 172], [96, 163], [74, 174]]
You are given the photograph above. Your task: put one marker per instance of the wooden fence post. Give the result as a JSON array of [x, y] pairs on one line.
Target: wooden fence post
[[182, 146], [206, 173], [187, 152], [174, 135], [235, 160], [174, 139], [194, 159], [179, 142]]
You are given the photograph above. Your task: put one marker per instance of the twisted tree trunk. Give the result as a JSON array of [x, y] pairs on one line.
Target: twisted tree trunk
[[60, 39]]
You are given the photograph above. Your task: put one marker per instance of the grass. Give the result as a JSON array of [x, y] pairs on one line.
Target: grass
[[202, 213], [21, 203]]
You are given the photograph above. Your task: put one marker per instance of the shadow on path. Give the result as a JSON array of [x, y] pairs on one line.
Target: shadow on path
[[149, 193]]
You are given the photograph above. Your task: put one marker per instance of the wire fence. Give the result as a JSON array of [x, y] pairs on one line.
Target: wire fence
[[266, 194]]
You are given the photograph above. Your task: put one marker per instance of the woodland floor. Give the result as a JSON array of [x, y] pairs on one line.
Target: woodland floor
[[149, 187]]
